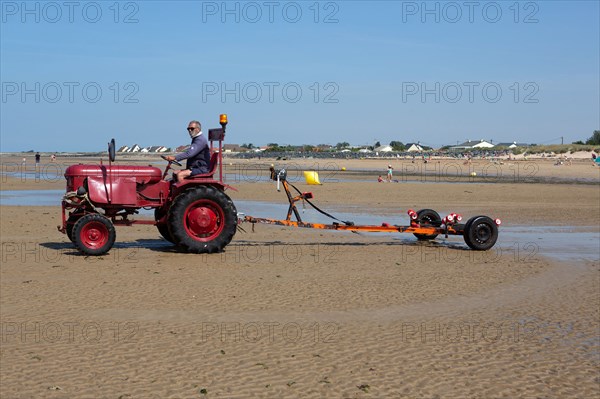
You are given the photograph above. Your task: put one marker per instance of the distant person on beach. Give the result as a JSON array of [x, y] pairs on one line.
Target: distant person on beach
[[37, 158], [52, 158], [380, 179], [389, 173], [197, 155]]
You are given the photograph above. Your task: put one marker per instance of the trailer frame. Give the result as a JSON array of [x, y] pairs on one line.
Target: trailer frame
[[480, 232]]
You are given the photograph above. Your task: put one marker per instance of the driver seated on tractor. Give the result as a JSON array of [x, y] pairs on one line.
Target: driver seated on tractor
[[197, 155]]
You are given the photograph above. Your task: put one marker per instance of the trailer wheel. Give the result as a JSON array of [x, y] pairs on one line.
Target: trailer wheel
[[163, 228], [465, 230], [428, 217], [94, 234], [203, 219], [480, 233]]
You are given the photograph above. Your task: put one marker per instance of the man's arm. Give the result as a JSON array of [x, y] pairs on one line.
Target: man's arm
[[197, 146]]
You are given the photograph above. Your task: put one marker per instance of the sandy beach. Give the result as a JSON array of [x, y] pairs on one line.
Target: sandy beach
[[288, 313]]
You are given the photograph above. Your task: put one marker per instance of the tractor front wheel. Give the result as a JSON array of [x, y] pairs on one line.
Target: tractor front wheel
[[428, 218], [94, 234], [71, 224], [203, 219]]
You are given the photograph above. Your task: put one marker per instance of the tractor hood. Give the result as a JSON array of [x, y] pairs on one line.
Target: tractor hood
[[75, 174]]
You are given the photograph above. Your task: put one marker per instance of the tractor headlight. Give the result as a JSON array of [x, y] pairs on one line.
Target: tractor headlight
[[81, 191]]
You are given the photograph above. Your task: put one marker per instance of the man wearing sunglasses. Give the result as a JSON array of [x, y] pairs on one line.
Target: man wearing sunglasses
[[197, 155]]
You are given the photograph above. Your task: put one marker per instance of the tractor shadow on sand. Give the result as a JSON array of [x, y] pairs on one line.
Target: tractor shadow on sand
[[159, 244], [164, 246]]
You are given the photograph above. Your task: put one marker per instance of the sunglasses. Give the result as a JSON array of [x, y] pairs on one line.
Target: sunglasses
[[191, 128]]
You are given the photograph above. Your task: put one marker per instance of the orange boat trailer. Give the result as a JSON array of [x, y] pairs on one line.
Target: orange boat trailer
[[479, 232]]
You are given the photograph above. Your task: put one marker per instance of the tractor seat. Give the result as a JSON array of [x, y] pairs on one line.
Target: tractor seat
[[212, 167]]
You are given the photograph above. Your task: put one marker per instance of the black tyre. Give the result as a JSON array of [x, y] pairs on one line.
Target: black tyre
[[163, 228], [465, 235], [203, 219], [481, 233], [71, 224], [428, 217], [94, 234]]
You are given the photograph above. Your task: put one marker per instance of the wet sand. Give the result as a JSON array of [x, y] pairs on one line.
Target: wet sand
[[305, 313], [17, 176]]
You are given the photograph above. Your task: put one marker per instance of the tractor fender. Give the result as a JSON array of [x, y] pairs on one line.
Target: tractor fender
[[181, 186]]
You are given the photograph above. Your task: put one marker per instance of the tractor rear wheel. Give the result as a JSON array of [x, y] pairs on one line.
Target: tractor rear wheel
[[163, 228], [203, 219], [428, 218], [480, 233], [94, 234]]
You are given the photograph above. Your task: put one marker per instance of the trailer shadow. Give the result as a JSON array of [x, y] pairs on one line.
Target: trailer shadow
[[161, 245], [395, 242]]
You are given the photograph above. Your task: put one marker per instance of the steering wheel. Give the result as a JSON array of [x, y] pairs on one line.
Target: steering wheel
[[175, 162]]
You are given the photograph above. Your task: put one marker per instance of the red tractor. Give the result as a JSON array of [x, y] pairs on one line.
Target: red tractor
[[194, 214]]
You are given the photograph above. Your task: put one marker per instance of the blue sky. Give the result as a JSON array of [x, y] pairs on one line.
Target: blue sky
[[297, 72]]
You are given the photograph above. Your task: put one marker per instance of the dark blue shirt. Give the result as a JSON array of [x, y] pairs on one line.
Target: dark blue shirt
[[198, 155]]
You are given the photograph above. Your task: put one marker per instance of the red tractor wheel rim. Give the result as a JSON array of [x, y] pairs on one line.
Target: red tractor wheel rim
[[204, 220], [94, 235]]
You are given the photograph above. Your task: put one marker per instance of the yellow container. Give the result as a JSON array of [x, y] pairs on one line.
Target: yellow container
[[311, 177]]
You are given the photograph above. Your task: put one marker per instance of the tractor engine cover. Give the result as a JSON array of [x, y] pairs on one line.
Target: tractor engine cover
[[76, 174]]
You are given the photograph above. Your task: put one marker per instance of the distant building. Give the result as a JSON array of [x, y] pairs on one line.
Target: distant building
[[413, 147], [233, 148], [514, 144], [383, 148], [156, 148], [324, 147], [137, 148], [470, 145]]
